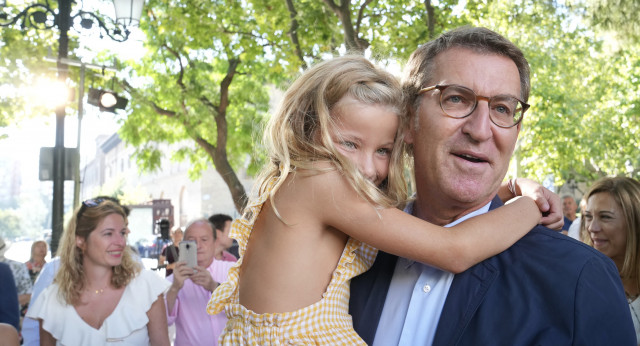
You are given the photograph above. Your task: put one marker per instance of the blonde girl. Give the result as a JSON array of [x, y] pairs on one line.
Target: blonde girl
[[326, 201]]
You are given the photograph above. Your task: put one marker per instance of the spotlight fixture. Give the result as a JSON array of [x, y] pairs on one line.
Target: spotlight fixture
[[107, 101]]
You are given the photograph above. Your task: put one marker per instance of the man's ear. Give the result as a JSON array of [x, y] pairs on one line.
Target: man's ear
[[409, 129]]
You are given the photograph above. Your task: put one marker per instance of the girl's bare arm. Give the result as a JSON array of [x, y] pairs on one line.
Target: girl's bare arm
[[391, 230]]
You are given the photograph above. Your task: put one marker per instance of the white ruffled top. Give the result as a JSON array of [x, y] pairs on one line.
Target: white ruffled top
[[127, 325]]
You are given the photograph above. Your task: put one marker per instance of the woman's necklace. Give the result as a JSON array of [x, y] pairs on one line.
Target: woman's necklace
[[98, 291]]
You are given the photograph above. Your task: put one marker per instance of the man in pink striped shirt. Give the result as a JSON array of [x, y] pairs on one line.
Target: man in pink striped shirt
[[191, 289]]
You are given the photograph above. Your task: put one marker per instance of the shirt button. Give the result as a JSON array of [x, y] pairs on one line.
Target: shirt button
[[426, 288]]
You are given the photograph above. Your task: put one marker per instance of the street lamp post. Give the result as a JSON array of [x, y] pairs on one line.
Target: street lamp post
[[41, 16]]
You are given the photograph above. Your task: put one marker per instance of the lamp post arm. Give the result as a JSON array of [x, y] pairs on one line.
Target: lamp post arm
[[42, 16], [38, 16]]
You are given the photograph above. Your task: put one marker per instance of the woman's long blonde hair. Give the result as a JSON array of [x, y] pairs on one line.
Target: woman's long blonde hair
[[626, 192], [299, 133], [71, 276]]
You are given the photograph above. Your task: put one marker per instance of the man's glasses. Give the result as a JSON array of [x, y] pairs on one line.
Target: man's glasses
[[457, 101], [94, 202]]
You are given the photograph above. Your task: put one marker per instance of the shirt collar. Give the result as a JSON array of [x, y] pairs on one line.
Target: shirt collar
[[409, 209]]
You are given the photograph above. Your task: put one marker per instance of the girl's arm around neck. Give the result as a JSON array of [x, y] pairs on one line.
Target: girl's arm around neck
[[391, 230]]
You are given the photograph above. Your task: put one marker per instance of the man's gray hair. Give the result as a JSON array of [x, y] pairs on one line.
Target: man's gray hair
[[420, 68], [197, 221]]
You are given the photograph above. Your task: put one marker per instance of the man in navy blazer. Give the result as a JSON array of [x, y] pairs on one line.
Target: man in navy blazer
[[466, 96]]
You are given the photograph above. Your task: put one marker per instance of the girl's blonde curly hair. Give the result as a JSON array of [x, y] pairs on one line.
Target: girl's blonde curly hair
[[299, 133]]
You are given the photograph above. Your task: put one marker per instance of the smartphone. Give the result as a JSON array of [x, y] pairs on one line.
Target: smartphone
[[188, 252]]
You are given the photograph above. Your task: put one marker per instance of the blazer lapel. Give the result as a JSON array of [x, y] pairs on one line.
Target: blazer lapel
[[368, 293], [467, 292]]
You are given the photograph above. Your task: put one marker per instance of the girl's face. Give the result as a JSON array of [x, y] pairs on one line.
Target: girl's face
[[365, 135], [606, 226], [105, 245]]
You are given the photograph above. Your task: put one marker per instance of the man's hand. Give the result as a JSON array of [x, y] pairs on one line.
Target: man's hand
[[181, 272], [548, 202], [203, 278]]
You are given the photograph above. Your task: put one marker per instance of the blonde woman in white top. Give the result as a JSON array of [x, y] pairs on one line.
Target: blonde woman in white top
[[100, 294]]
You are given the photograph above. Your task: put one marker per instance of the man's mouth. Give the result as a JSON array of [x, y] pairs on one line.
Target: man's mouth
[[470, 158]]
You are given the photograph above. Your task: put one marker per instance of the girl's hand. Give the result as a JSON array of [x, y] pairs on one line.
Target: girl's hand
[[548, 202]]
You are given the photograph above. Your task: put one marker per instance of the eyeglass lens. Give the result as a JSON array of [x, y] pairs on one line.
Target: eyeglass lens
[[459, 102]]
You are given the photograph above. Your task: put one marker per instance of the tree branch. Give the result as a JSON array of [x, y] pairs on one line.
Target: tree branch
[[293, 32], [430, 18], [177, 56], [361, 14]]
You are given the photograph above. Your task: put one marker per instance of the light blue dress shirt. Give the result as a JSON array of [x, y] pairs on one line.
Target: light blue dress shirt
[[415, 299]]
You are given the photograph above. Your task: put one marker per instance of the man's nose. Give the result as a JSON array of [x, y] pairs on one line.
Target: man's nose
[[478, 124]]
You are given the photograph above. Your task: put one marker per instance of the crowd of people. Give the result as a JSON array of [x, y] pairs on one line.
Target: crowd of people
[[333, 251]]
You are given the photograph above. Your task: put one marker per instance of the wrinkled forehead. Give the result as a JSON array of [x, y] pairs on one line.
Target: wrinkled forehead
[[486, 73]]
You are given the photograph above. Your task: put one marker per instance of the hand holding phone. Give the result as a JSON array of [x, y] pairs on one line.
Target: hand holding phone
[[188, 253]]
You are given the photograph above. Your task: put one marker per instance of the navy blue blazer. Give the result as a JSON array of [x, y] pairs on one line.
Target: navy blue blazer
[[9, 306], [546, 289]]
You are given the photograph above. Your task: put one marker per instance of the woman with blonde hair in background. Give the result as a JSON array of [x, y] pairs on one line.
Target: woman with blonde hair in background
[[37, 261], [100, 294], [612, 220]]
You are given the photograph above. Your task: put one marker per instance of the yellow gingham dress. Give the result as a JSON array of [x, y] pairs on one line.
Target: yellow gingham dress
[[326, 322]]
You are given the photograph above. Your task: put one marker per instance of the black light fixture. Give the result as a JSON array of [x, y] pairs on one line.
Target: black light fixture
[[107, 101]]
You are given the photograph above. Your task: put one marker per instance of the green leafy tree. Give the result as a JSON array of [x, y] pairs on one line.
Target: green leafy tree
[[209, 80], [204, 85], [22, 65], [621, 17], [9, 223]]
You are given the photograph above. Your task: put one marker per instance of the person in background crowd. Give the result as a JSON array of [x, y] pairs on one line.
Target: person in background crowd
[[9, 307], [569, 209], [30, 327], [170, 252], [37, 261], [612, 218], [222, 225], [575, 230], [24, 286], [545, 289], [100, 294], [191, 289]]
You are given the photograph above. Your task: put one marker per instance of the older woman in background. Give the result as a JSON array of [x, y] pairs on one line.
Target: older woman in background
[[36, 262], [612, 220], [100, 294]]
